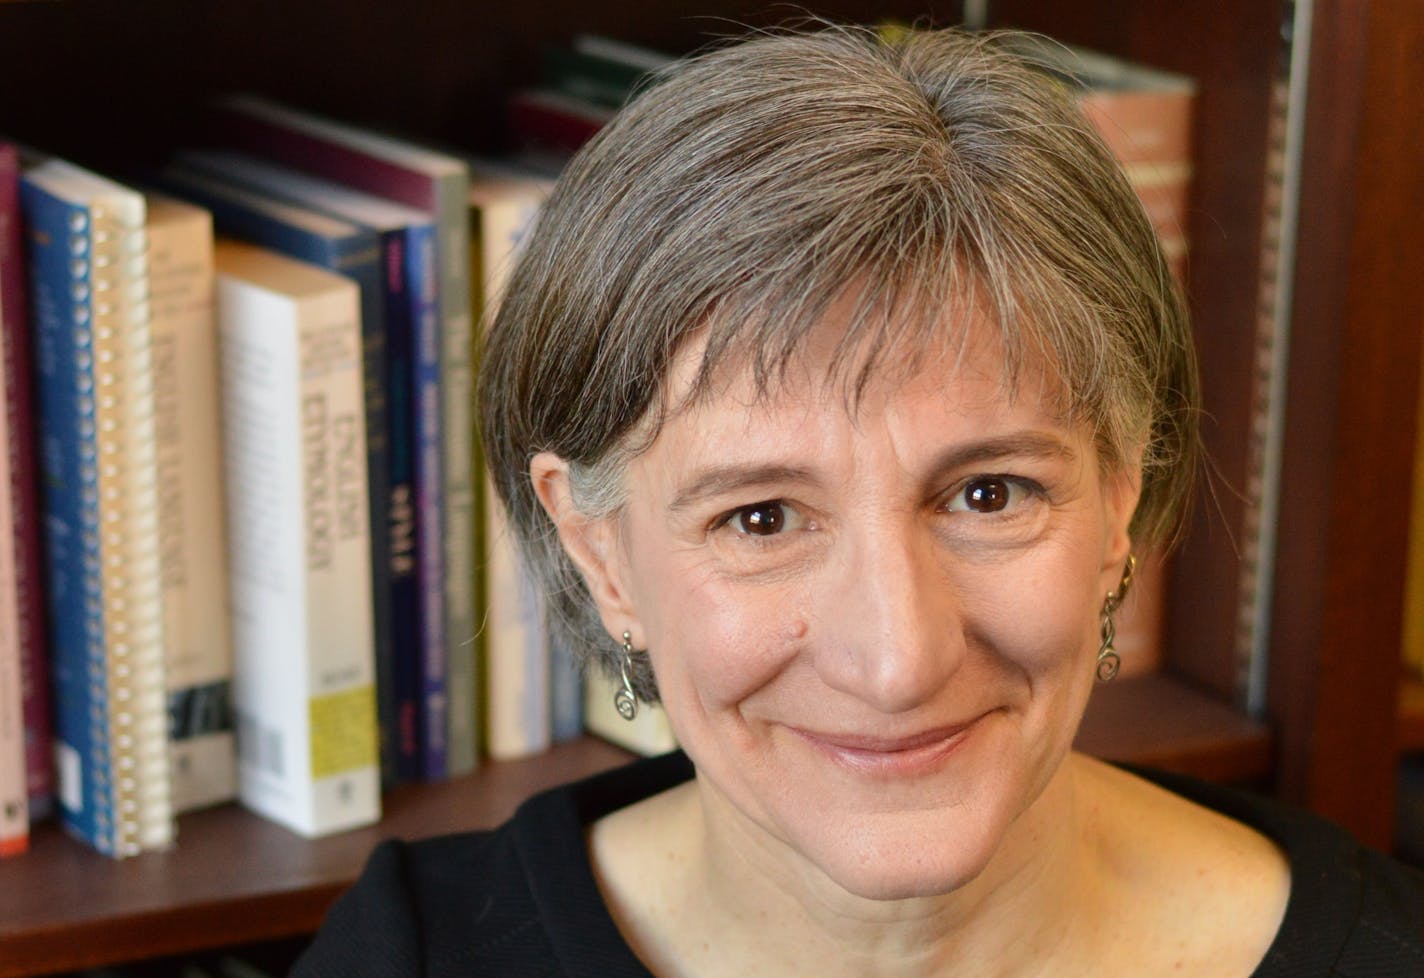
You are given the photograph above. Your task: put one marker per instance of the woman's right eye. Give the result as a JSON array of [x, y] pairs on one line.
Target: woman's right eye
[[764, 519]]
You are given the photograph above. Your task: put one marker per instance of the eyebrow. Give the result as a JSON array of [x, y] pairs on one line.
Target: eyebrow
[[1020, 444], [731, 477]]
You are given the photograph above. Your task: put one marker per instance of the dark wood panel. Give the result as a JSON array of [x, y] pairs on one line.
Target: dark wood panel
[[119, 82], [1409, 726], [1351, 415]]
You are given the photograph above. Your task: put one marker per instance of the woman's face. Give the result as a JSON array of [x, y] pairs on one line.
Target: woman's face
[[873, 629]]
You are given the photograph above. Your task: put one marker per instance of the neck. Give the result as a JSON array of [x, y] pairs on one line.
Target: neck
[[762, 909]]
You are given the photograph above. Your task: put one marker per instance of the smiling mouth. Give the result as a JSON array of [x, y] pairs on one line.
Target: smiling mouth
[[890, 757]]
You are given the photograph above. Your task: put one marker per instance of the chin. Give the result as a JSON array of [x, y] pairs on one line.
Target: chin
[[926, 854]]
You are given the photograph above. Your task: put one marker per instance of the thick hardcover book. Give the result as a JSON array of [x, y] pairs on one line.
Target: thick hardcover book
[[412, 344], [24, 490], [191, 515], [89, 277], [516, 649], [299, 541], [346, 249], [438, 185], [14, 792]]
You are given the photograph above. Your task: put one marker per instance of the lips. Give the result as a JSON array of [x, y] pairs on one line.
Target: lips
[[898, 756]]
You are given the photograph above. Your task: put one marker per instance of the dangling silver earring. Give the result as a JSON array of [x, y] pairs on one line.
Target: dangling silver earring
[[625, 700], [1108, 660]]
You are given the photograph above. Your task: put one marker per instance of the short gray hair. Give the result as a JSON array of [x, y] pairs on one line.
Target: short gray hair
[[742, 192]]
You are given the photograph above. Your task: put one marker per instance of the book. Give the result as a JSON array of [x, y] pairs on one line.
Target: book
[[299, 553], [503, 207], [552, 121], [412, 361], [437, 184], [344, 248], [599, 69], [14, 790], [15, 361], [191, 521], [89, 290]]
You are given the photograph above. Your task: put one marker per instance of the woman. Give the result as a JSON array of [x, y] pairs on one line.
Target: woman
[[835, 389]]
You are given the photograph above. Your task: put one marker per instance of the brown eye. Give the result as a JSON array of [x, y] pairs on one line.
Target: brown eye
[[987, 495], [763, 519], [766, 519]]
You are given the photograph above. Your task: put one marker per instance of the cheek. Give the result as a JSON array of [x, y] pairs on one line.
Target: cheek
[[716, 643]]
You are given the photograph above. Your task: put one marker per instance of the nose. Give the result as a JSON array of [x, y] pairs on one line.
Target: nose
[[896, 634]]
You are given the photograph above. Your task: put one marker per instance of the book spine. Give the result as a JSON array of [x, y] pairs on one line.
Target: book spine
[[429, 438], [191, 522], [14, 791], [519, 721], [400, 753], [133, 561], [343, 757], [299, 556], [96, 424], [361, 259], [458, 430], [24, 491]]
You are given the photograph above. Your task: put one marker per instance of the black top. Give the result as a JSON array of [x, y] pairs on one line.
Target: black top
[[521, 901]]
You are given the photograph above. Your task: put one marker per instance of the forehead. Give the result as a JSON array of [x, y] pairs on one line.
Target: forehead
[[956, 361]]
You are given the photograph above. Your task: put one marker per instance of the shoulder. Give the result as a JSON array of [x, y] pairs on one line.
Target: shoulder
[[514, 901], [1352, 912], [427, 908]]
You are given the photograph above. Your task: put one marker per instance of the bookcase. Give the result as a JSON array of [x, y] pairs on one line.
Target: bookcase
[[115, 83]]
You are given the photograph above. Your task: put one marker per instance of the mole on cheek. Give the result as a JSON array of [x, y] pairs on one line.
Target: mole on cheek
[[797, 630]]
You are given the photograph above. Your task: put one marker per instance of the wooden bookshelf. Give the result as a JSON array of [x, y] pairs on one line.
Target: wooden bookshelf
[[236, 878], [132, 72]]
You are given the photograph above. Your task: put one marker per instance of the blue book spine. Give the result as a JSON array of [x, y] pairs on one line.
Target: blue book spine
[[398, 675], [428, 438], [59, 239], [355, 253]]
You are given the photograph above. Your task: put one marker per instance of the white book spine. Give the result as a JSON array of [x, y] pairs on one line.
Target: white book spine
[[191, 517], [519, 720], [304, 672]]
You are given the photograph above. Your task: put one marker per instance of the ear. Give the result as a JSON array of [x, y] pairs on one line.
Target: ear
[[592, 544], [1122, 487]]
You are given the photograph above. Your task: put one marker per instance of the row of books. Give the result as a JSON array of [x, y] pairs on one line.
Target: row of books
[[259, 494], [261, 506]]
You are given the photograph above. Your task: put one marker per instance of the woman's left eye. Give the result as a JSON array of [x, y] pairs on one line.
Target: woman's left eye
[[989, 494], [764, 519]]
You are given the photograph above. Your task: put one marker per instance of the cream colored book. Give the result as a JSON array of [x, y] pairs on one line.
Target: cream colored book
[[516, 647], [191, 516], [298, 541]]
